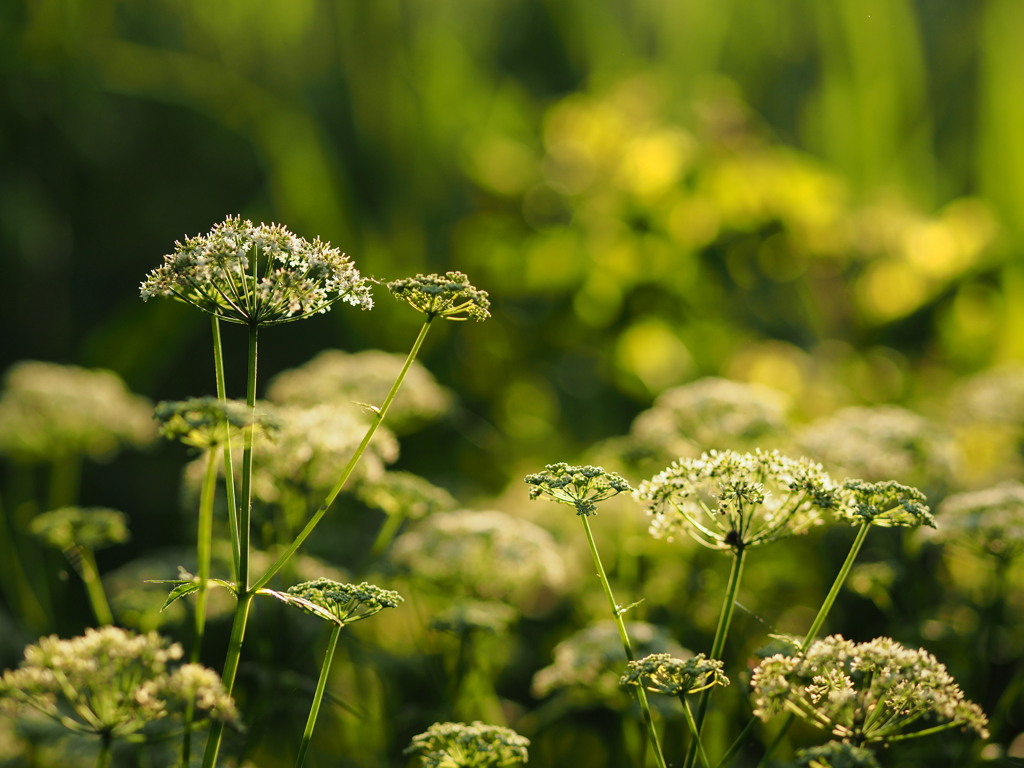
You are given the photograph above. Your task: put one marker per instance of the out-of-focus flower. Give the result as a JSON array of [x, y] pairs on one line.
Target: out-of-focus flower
[[206, 422], [343, 603], [881, 443], [731, 501], [477, 745], [989, 520], [995, 395], [450, 296], [886, 504], [489, 555], [465, 616], [334, 376], [112, 682], [406, 494], [49, 411], [90, 527], [836, 754], [710, 413], [587, 666], [873, 692], [664, 673], [257, 274], [580, 486]]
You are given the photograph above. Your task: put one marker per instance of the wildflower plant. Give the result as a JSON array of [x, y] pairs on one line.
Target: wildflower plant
[[473, 745], [877, 692], [449, 296], [113, 684], [582, 487], [836, 754]]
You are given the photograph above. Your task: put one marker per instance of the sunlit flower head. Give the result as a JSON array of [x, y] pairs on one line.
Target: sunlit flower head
[[477, 745], [365, 377], [836, 754], [344, 603], [863, 693], [664, 673], [450, 296], [112, 682], [462, 617], [579, 486], [887, 504], [49, 411], [89, 527], [206, 422], [731, 501], [989, 520], [257, 274], [406, 494]]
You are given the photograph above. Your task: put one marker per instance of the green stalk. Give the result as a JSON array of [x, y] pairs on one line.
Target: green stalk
[[378, 417], [387, 533], [321, 686], [617, 615], [229, 462], [103, 756], [65, 478], [693, 731], [94, 587], [718, 644], [204, 548], [816, 625]]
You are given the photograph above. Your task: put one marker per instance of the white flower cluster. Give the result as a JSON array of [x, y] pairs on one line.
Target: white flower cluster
[[476, 745], [257, 274]]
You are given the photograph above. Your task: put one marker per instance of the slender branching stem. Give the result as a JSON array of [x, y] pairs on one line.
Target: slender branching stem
[[693, 731], [204, 549], [718, 644], [94, 587], [318, 697], [617, 615], [378, 417], [229, 461]]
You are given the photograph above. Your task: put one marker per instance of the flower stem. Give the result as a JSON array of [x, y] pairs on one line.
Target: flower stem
[[318, 697], [645, 709], [378, 417], [718, 644], [204, 546], [94, 587], [693, 731], [229, 673], [103, 756], [229, 462]]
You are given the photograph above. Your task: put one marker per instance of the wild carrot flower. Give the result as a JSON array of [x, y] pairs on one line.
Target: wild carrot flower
[[343, 603], [364, 378], [886, 504], [257, 274], [49, 411], [205, 422], [989, 521], [730, 501], [580, 486], [873, 692], [836, 754], [112, 683], [476, 745], [450, 296], [90, 527], [672, 676]]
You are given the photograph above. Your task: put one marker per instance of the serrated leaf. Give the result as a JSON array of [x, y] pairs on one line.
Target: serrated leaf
[[188, 586]]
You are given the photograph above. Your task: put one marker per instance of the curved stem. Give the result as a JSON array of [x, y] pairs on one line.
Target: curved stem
[[617, 615], [718, 644], [229, 461], [378, 417], [318, 697]]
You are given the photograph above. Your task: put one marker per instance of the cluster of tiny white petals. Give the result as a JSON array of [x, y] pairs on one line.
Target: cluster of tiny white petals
[[257, 274], [343, 602], [872, 692], [579, 486], [990, 520], [672, 676], [89, 527], [474, 745], [731, 501]]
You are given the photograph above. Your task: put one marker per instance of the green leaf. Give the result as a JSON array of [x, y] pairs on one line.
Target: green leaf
[[188, 586], [300, 602]]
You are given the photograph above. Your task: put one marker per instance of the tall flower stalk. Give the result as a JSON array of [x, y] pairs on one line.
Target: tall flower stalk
[[582, 487]]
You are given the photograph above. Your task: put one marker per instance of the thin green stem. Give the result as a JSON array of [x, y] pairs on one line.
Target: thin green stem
[[318, 697], [387, 533], [94, 587], [65, 477], [229, 461], [378, 417], [718, 644], [617, 615], [204, 549], [229, 673], [103, 756], [693, 731]]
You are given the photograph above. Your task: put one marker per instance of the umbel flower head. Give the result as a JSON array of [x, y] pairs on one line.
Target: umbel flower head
[[863, 693], [477, 745], [731, 501], [343, 603], [89, 527], [257, 274], [990, 521], [887, 504], [836, 754], [450, 296], [580, 486], [665, 673], [206, 422], [112, 683]]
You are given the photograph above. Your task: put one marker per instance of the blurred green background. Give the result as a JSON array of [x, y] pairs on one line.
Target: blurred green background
[[823, 197]]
